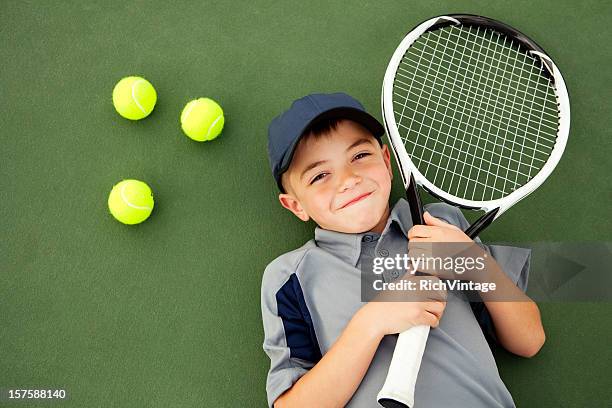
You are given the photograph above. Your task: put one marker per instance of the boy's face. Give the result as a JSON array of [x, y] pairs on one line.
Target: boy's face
[[342, 180]]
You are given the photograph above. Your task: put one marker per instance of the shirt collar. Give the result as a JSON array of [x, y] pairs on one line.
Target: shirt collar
[[348, 246], [402, 216]]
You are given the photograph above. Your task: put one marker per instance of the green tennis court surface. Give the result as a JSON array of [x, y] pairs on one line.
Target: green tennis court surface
[[167, 313]]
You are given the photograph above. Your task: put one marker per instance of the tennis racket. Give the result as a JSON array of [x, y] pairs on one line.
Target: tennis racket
[[478, 115]]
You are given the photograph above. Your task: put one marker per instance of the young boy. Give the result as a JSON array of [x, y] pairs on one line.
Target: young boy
[[329, 348]]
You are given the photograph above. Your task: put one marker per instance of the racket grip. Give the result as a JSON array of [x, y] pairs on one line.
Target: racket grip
[[398, 390]]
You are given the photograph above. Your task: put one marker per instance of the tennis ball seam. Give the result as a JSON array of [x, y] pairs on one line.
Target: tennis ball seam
[[134, 98], [129, 204], [189, 109], [213, 125]]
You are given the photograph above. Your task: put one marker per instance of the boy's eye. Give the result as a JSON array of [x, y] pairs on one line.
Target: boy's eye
[[318, 177], [361, 155]]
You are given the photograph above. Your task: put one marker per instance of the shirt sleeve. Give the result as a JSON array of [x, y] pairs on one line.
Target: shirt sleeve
[[514, 261], [289, 339]]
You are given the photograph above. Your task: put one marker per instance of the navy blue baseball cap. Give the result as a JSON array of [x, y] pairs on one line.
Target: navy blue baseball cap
[[286, 130]]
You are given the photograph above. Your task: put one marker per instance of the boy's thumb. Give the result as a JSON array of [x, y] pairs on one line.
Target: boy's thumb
[[433, 221]]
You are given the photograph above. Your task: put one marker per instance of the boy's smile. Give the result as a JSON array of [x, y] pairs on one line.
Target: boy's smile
[[356, 200], [341, 179]]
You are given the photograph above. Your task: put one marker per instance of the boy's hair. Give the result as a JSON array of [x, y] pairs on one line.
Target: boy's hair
[[323, 128], [320, 128]]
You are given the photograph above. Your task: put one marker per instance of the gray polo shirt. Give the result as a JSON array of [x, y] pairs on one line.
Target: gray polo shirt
[[310, 294]]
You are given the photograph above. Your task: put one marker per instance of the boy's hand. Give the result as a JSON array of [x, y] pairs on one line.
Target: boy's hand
[[391, 313], [436, 230], [388, 313], [440, 241]]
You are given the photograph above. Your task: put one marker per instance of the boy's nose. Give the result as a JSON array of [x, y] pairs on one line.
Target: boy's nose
[[349, 180]]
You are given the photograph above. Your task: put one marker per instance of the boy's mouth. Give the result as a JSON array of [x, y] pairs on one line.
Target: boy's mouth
[[355, 200]]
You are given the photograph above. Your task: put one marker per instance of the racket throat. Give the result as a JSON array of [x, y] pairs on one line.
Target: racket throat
[[481, 223]]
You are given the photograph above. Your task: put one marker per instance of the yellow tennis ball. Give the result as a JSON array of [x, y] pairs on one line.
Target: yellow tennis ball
[[131, 201], [134, 97], [202, 119]]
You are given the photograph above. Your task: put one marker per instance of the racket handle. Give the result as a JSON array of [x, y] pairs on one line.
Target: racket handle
[[398, 390]]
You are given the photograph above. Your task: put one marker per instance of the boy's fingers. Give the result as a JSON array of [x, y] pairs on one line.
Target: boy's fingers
[[431, 220], [435, 293], [439, 296], [436, 222], [433, 313], [419, 231], [420, 247], [436, 308], [430, 319]]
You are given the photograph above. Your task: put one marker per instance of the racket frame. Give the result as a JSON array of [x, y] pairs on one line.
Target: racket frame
[[493, 208], [406, 359]]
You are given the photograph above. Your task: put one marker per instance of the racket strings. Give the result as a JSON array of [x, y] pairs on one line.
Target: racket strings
[[475, 112], [481, 76], [537, 85], [551, 113], [481, 116]]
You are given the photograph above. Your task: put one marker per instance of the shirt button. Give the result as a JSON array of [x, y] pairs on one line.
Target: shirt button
[[395, 274], [367, 238], [383, 252]]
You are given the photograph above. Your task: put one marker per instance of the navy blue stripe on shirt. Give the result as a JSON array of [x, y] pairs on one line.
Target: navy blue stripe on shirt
[[299, 330]]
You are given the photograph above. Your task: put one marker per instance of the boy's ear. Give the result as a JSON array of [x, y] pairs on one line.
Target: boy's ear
[[292, 204], [387, 158]]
